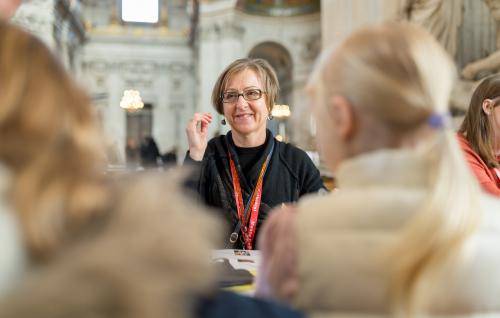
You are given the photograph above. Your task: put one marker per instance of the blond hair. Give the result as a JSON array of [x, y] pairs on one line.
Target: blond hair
[[399, 75], [50, 143], [264, 71]]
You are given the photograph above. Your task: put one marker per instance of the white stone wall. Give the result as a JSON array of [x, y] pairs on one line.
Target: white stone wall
[[160, 69], [155, 59], [220, 43]]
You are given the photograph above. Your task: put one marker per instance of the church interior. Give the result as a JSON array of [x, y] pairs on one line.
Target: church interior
[[249, 158], [174, 60]]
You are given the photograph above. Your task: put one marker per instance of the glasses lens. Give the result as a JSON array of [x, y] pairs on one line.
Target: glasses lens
[[229, 97], [252, 94]]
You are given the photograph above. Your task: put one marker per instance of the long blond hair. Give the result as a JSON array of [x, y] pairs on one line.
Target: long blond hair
[[49, 141], [399, 75]]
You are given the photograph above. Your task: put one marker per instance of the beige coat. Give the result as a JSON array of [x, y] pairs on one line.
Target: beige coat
[[147, 258], [343, 238]]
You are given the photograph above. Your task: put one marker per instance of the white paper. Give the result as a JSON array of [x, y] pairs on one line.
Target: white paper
[[239, 259]]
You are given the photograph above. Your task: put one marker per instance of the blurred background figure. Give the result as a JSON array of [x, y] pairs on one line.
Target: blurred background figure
[[409, 223], [169, 158], [132, 152], [479, 135], [149, 152]]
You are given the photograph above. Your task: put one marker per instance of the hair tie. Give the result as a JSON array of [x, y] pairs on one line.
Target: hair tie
[[439, 121]]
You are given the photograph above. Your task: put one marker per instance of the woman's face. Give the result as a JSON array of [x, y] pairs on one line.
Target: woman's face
[[495, 124], [245, 116]]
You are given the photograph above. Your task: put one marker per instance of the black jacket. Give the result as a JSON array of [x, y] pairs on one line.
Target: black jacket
[[230, 305], [290, 174]]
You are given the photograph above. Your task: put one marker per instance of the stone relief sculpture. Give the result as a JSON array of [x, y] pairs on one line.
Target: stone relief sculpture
[[441, 18], [491, 63]]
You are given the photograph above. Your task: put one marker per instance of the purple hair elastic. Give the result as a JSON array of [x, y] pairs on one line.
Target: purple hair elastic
[[438, 121]]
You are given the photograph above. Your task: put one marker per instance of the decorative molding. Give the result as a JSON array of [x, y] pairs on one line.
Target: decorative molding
[[136, 66], [279, 8], [221, 29]]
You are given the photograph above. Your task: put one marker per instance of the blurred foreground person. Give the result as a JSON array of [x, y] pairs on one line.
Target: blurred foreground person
[[409, 232], [76, 244], [50, 151], [148, 258], [479, 134]]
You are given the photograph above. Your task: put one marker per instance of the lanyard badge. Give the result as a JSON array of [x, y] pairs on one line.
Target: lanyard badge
[[249, 214]]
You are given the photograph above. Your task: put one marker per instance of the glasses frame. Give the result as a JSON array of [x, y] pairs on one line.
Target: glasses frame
[[242, 94]]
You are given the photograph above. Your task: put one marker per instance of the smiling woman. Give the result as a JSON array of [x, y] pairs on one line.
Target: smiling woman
[[247, 171]]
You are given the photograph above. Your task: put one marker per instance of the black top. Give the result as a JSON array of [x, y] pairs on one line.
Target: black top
[[248, 157], [290, 175], [230, 305]]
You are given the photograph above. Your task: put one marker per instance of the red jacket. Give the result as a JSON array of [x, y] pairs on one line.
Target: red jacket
[[489, 178]]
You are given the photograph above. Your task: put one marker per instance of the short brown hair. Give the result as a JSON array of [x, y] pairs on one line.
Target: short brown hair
[[264, 71], [476, 126]]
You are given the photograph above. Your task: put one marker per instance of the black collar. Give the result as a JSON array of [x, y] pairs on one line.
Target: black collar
[[255, 170]]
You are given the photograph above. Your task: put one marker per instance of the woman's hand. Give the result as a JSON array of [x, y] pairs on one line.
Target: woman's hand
[[196, 131]]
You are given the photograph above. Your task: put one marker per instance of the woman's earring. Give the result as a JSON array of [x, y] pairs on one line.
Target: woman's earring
[[270, 117], [223, 121]]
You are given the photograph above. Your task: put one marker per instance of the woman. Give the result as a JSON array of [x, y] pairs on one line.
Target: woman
[[479, 135], [247, 171], [408, 232]]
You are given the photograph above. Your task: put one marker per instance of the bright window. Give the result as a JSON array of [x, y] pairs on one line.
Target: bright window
[[145, 11]]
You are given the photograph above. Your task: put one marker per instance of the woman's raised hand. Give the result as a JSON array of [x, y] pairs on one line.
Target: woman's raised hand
[[196, 131]]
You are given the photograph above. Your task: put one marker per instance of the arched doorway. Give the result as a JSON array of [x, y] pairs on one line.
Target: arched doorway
[[279, 58]]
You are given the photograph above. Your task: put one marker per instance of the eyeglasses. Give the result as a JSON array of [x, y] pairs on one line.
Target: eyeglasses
[[248, 94]]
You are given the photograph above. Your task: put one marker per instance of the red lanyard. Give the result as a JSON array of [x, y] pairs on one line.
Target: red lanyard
[[248, 220]]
